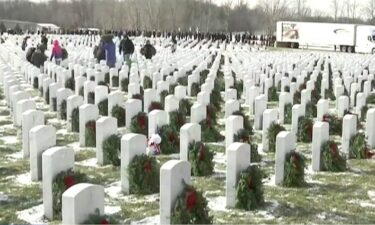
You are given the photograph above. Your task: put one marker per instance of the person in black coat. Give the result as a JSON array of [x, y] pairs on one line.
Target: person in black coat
[[38, 58], [127, 48], [148, 50]]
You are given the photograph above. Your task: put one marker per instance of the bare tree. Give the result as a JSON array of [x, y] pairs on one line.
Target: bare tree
[[335, 4], [369, 9]]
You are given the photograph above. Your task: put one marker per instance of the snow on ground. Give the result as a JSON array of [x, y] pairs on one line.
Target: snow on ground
[[32, 215], [217, 204], [9, 140], [62, 131], [154, 220], [371, 195], [109, 210], [220, 158], [24, 179], [15, 156], [89, 163], [113, 190], [3, 197], [75, 146], [270, 182]]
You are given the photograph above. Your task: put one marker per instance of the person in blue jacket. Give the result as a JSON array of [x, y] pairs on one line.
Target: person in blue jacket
[[110, 51]]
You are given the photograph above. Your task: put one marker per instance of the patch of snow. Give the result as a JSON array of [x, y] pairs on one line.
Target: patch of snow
[[148, 220], [217, 204], [62, 131], [113, 190], [367, 205], [10, 140], [222, 144], [220, 158], [89, 163], [109, 210], [15, 156], [3, 197], [266, 215], [75, 146], [32, 215], [371, 195], [322, 216], [24, 179], [270, 181]]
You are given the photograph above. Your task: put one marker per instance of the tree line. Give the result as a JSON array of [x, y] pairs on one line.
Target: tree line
[[202, 15]]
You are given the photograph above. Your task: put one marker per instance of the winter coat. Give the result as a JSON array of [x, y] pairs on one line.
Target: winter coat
[[110, 53], [148, 51], [56, 51], [127, 47], [38, 59]]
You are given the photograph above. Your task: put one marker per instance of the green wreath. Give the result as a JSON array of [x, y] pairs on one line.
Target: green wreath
[[177, 120], [54, 104], [358, 147], [63, 110], [91, 98], [90, 133], [288, 113], [36, 83], [294, 170], [62, 182], [147, 82], [103, 107], [273, 130], [203, 76], [155, 105], [190, 208], [171, 88], [124, 84], [75, 120], [195, 89], [139, 124], [170, 141], [143, 175], [41, 91], [329, 94], [212, 113], [243, 136], [201, 159], [363, 113], [80, 92], [96, 218], [311, 110], [370, 99], [209, 132], [185, 106], [216, 99], [273, 96], [163, 94], [112, 150], [119, 113], [331, 159], [249, 191], [106, 78], [70, 83], [305, 130], [183, 81], [335, 124], [315, 96], [115, 81], [297, 97]]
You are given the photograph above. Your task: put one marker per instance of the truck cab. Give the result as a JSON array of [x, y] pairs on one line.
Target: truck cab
[[365, 39]]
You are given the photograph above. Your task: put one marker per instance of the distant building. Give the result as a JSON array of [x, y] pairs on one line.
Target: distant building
[[30, 26]]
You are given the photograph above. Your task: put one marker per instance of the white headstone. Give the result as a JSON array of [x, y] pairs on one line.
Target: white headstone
[[260, 107], [87, 112], [190, 132], [198, 113], [349, 128], [31, 119], [232, 125], [105, 127], [132, 108], [370, 128], [284, 144], [269, 116], [320, 136]]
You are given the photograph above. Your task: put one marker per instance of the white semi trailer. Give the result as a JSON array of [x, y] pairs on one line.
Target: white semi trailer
[[334, 36]]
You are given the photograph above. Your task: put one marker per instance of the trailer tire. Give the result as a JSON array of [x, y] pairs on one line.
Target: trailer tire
[[351, 49], [343, 48], [373, 51]]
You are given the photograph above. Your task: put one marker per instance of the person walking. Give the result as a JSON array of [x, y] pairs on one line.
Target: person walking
[[56, 52], [148, 50], [38, 58], [110, 51], [127, 48]]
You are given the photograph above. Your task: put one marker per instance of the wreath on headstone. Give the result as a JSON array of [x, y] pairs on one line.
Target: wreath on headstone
[[119, 113], [358, 148], [62, 182], [249, 191], [201, 159], [70, 83], [90, 133], [106, 78], [155, 105], [115, 81], [311, 110], [183, 81], [96, 218], [54, 104], [331, 159], [124, 84], [170, 140], [139, 124], [103, 107], [297, 97], [144, 175], [80, 92], [315, 96], [195, 89], [41, 91], [216, 99], [47, 96], [35, 82], [273, 130], [370, 99], [244, 136], [185, 106], [203, 76], [294, 170], [273, 96], [364, 110], [209, 132], [63, 110], [305, 130], [177, 119], [147, 82], [335, 124], [111, 150], [329, 94], [211, 113], [171, 88], [91, 98], [75, 120], [288, 113], [163, 94], [190, 208]]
